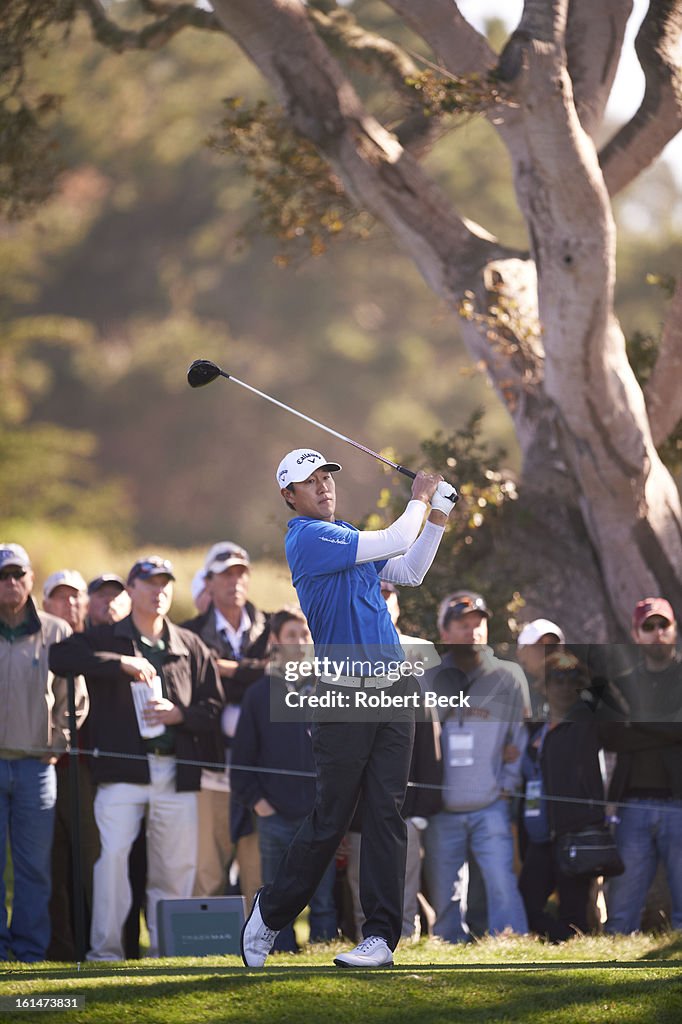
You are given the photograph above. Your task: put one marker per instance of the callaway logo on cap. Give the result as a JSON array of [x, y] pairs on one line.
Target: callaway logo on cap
[[300, 464]]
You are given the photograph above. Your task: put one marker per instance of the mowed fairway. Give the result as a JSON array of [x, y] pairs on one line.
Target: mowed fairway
[[588, 980]]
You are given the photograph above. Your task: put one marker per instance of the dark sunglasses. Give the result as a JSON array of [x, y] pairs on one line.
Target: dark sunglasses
[[151, 566], [223, 556], [458, 608], [649, 627], [567, 675], [12, 574]]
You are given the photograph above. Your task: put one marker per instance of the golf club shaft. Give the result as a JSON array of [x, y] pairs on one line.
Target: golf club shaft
[[322, 426]]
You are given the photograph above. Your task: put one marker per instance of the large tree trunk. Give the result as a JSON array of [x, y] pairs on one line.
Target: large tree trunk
[[579, 413], [629, 501]]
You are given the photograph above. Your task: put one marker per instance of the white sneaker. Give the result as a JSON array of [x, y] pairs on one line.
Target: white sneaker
[[371, 952], [256, 939]]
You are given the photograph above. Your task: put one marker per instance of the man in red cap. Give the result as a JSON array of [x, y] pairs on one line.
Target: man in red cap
[[647, 780]]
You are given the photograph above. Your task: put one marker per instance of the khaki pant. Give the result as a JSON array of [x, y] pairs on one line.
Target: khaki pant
[[214, 852], [171, 853]]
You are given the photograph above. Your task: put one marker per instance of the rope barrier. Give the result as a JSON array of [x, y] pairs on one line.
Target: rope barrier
[[218, 767]]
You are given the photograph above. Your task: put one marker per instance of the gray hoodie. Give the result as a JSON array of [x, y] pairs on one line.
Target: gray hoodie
[[473, 738]]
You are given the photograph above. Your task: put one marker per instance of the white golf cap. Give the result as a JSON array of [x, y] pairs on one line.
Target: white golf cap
[[198, 584], [533, 631], [225, 554], [65, 578], [300, 464], [14, 554]]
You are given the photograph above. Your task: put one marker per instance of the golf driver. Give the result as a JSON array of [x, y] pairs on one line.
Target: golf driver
[[204, 371]]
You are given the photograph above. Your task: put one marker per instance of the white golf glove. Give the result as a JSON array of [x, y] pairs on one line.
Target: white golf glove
[[445, 497]]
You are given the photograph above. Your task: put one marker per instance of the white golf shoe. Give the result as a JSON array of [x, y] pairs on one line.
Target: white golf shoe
[[371, 952], [257, 939]]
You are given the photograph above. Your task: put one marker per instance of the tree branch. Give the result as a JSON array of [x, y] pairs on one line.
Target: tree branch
[[659, 117], [662, 392], [594, 40], [453, 255], [344, 36], [155, 34], [372, 53], [461, 50], [322, 105], [458, 45]]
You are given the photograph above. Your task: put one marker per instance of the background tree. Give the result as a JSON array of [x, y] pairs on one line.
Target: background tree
[[599, 518]]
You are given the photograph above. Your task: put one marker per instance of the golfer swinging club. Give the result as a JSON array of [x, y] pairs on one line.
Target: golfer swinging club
[[336, 572]]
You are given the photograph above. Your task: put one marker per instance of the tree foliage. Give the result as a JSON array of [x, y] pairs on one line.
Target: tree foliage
[[357, 128], [28, 157]]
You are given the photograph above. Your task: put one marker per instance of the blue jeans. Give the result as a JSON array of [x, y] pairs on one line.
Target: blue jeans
[[28, 793], [648, 831], [488, 834], [275, 834]]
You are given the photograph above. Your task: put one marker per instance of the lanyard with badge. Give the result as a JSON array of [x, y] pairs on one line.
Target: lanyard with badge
[[532, 807], [460, 742]]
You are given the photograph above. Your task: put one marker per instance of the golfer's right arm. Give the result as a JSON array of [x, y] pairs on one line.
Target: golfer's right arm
[[396, 539]]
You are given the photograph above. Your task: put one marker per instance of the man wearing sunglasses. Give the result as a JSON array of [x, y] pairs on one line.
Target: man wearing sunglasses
[[145, 776], [647, 780], [478, 777], [33, 730]]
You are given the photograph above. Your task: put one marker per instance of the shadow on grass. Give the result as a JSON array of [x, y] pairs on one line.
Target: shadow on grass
[[425, 994], [274, 972], [672, 948]]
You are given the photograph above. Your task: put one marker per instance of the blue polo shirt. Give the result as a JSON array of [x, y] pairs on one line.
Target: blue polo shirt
[[342, 601]]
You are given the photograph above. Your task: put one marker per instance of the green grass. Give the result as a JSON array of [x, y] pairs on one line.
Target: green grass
[[588, 980]]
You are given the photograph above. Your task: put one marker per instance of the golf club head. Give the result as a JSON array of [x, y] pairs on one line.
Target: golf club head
[[202, 372]]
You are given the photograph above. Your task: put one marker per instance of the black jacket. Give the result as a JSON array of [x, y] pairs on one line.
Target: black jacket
[[254, 649], [652, 722], [285, 746], [570, 769], [192, 683]]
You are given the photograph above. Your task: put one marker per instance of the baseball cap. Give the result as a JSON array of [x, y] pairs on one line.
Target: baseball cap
[[460, 603], [198, 584], [299, 464], [652, 606], [532, 631], [152, 565], [64, 578], [224, 554], [106, 577], [14, 554]]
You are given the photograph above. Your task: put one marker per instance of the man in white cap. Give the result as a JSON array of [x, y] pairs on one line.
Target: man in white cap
[[33, 731], [336, 570], [236, 632], [65, 594]]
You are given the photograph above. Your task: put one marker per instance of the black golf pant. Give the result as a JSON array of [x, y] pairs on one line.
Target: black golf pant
[[353, 759]]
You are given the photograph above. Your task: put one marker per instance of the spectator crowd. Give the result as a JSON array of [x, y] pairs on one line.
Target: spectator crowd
[[189, 786]]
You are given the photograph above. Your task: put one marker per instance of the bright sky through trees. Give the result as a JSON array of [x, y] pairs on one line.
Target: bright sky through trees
[[628, 87]]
